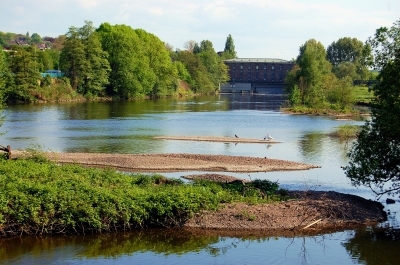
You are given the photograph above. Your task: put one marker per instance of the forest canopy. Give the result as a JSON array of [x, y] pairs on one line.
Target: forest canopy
[[109, 61]]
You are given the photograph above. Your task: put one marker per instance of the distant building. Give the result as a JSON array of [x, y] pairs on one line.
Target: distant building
[[53, 73], [256, 75]]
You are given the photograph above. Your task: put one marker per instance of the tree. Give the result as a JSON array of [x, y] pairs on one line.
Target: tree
[[349, 51], [73, 60], [309, 73], [189, 45], [23, 65], [98, 67], [229, 50], [159, 64], [84, 61], [375, 156], [3, 70], [6, 78], [36, 39], [58, 43], [201, 82], [206, 46]]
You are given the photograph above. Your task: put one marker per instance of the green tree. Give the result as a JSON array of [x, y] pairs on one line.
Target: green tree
[[159, 64], [73, 60], [44, 60], [35, 39], [23, 65], [183, 73], [229, 49], [6, 78], [3, 43], [54, 59], [340, 92], [349, 51], [375, 156], [194, 65], [130, 76], [309, 74], [84, 61], [3, 70], [98, 69]]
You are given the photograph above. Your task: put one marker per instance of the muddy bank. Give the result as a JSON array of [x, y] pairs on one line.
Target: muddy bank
[[305, 210]]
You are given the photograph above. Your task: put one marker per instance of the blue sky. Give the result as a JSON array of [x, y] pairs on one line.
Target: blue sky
[[260, 28]]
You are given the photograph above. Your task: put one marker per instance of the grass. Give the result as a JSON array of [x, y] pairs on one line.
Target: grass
[[363, 95], [40, 197]]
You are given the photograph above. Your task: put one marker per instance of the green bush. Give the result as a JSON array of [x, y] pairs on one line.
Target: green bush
[[40, 197]]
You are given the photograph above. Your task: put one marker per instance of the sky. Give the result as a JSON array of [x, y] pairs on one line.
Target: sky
[[259, 28]]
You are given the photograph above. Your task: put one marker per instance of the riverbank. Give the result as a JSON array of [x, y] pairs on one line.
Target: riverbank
[[304, 210]]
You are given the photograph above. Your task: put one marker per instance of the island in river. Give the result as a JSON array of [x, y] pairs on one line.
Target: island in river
[[304, 211]]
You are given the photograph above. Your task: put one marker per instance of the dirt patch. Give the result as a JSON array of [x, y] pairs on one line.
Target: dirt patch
[[307, 210], [214, 177], [174, 162], [304, 211]]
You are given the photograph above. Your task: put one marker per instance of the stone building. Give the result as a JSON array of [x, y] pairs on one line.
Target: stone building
[[256, 75]]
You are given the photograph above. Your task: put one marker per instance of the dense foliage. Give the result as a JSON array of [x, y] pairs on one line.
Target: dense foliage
[[375, 157], [109, 61], [39, 197], [312, 85], [350, 58]]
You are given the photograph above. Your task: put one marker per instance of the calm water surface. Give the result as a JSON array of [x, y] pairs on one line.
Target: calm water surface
[[129, 127]]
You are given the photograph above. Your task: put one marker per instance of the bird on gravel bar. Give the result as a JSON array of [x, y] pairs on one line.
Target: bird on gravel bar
[[236, 136]]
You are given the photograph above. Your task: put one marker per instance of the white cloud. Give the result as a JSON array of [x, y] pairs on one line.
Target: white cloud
[[260, 28]]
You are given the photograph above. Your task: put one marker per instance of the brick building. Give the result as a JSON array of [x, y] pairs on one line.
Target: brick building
[[256, 75]]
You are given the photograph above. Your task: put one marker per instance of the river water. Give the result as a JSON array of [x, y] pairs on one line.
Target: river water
[[129, 127]]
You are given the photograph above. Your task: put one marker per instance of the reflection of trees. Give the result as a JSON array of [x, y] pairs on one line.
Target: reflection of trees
[[314, 145], [311, 145], [303, 255], [114, 245], [374, 246]]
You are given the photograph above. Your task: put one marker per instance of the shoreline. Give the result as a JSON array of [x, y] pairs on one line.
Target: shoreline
[[305, 211]]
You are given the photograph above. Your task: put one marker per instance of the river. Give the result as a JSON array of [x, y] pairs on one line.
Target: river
[[129, 127]]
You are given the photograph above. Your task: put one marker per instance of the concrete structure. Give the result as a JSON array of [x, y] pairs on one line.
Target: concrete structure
[[256, 75]]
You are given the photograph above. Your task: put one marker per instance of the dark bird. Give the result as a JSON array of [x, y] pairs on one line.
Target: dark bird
[[236, 136], [265, 138]]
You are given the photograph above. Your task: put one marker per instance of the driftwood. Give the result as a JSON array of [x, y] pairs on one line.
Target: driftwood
[[7, 150]]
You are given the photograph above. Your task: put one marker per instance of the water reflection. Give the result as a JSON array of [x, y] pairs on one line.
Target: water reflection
[[374, 246], [364, 245]]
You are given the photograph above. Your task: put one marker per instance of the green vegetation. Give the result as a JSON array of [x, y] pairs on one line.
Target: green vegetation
[[112, 61], [363, 94], [313, 88], [350, 58], [322, 80], [375, 156], [40, 197], [346, 132]]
